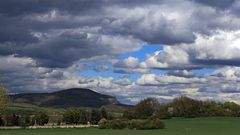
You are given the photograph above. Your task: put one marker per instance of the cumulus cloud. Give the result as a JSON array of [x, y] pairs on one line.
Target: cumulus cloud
[[130, 62], [130, 71], [152, 79], [220, 49], [182, 73]]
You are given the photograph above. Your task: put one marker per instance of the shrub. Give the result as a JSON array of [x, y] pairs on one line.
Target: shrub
[[138, 124], [104, 124], [119, 124], [55, 119], [146, 124], [158, 124]]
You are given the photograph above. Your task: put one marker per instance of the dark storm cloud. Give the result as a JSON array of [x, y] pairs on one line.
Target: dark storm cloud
[[23, 7], [222, 4], [217, 62], [15, 29], [63, 50], [181, 73], [40, 28], [30, 28], [230, 91]]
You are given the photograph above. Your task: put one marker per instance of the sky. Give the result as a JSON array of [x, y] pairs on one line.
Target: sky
[[131, 49]]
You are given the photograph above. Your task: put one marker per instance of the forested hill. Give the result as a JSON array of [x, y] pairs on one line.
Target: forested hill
[[75, 97]]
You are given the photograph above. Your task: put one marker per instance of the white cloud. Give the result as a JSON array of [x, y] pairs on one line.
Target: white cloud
[[222, 48], [152, 79]]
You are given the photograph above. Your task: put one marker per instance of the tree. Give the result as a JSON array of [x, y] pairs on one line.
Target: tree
[[186, 107], [232, 109], [95, 116], [162, 112], [11, 119], [129, 114], [4, 99], [146, 108], [83, 117], [41, 118], [72, 116], [24, 121], [2, 123], [103, 112], [75, 116]]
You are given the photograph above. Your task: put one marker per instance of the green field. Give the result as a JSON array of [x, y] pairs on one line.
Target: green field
[[176, 126]]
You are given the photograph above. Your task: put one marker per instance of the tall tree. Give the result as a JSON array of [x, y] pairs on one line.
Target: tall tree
[[4, 99], [146, 108], [103, 112]]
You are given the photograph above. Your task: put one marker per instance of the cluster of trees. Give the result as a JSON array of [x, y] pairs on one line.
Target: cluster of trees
[[72, 116], [187, 107], [145, 115], [148, 108], [181, 107], [79, 116], [10, 119]]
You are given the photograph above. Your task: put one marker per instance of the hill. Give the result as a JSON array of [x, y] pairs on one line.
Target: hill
[[75, 97]]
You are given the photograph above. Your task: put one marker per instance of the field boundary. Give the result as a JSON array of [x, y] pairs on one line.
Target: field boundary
[[49, 127]]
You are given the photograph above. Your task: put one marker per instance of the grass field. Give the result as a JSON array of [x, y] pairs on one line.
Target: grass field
[[176, 126]]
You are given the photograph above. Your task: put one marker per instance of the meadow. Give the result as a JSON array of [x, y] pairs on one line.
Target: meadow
[[175, 126]]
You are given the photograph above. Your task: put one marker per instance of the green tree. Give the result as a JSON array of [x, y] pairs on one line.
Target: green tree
[[2, 123], [4, 99], [129, 114], [72, 116], [75, 116], [11, 120], [104, 113], [186, 107], [24, 121], [163, 112], [83, 117], [95, 116], [232, 109], [41, 118], [146, 108]]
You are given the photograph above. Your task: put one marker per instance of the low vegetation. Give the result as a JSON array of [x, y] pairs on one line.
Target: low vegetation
[[174, 126], [132, 124]]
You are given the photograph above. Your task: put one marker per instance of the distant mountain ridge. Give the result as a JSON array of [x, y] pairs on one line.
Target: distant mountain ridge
[[75, 97]]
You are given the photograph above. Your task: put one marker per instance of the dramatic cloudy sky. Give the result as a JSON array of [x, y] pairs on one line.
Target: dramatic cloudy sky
[[131, 49]]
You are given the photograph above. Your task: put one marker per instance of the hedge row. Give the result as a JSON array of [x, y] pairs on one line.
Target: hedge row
[[131, 124]]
